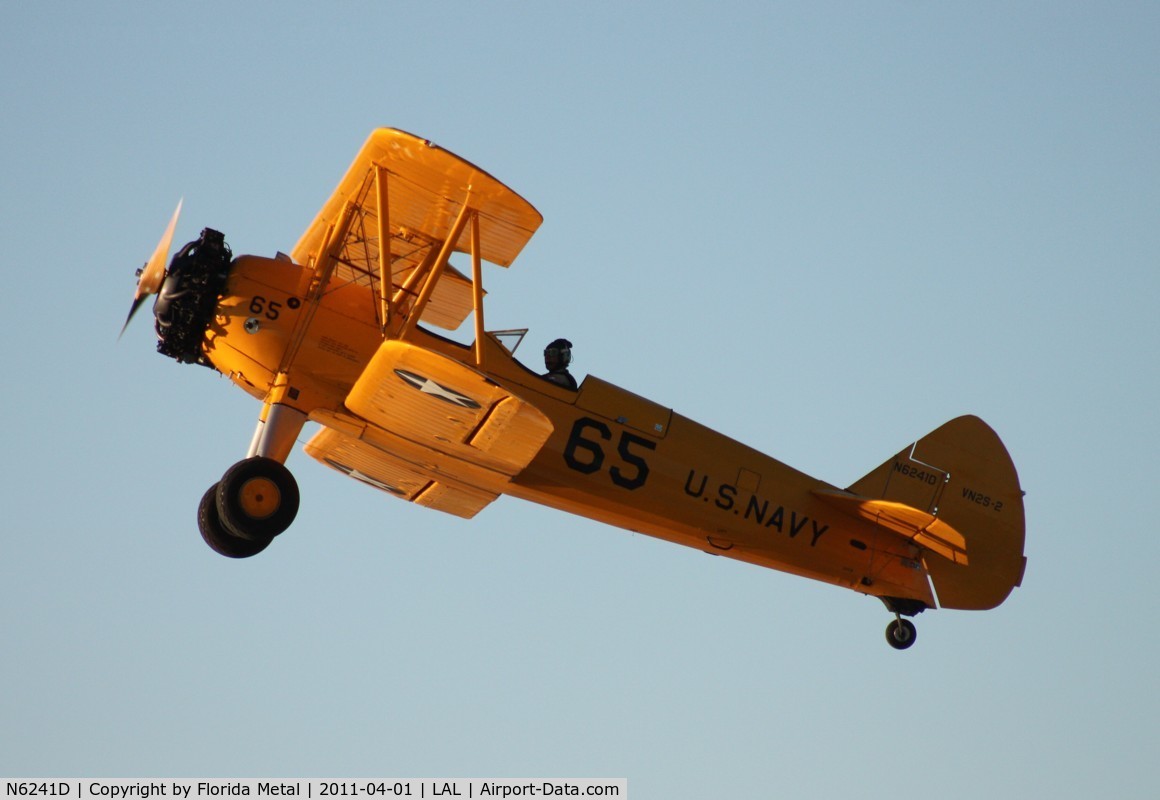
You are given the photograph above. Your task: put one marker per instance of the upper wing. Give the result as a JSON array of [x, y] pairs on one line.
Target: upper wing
[[426, 188], [432, 430]]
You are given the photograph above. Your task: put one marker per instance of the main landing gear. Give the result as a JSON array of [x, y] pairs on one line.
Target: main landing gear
[[254, 501], [257, 498]]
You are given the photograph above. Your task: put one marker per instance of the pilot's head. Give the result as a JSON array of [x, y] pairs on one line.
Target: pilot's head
[[558, 355]]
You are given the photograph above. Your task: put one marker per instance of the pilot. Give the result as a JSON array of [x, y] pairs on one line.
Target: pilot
[[557, 357]]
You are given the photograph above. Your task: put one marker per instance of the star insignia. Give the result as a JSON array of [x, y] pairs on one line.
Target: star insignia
[[428, 386], [367, 479]]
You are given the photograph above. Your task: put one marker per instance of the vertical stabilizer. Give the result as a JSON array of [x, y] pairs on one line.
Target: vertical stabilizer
[[962, 474]]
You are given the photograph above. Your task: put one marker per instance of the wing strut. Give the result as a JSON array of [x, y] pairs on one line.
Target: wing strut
[[385, 284], [436, 270], [323, 268], [477, 289]]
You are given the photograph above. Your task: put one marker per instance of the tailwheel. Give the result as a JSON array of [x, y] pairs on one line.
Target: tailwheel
[[901, 633], [219, 539], [257, 499]]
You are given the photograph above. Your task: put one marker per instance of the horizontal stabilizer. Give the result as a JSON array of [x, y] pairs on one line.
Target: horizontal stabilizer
[[925, 530]]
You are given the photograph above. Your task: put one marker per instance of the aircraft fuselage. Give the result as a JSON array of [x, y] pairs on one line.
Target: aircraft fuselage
[[613, 456]]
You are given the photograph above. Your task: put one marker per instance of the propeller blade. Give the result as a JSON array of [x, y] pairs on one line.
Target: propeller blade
[[137, 301], [153, 273]]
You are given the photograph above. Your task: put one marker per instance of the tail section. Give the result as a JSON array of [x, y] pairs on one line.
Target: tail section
[[961, 476]]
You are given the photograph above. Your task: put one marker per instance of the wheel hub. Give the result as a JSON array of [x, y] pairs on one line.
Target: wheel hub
[[259, 498]]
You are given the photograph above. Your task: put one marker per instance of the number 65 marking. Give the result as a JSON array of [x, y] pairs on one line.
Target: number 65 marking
[[593, 458], [259, 304]]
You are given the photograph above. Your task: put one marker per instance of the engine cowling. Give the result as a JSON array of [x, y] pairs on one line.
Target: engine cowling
[[188, 297]]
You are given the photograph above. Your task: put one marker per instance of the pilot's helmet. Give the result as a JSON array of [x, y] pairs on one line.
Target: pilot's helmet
[[558, 354]]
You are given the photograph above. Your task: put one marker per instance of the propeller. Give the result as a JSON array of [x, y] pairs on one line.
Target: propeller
[[152, 274]]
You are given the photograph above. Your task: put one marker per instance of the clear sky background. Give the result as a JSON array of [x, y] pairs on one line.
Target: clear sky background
[[823, 229]]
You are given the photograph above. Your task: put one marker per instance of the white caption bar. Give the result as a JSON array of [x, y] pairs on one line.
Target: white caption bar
[[366, 788]]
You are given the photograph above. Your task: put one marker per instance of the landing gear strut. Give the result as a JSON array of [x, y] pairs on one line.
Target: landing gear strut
[[254, 501]]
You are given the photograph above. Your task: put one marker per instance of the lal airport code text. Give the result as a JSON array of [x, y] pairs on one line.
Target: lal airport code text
[[127, 789]]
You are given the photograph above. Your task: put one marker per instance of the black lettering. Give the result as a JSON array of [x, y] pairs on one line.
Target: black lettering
[[725, 495], [978, 498], [777, 518], [689, 484], [270, 309], [819, 531], [758, 512], [577, 442], [636, 480], [910, 471], [984, 500], [42, 789], [795, 527], [585, 454]]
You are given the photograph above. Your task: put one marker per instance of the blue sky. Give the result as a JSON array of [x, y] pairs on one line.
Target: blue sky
[[823, 229]]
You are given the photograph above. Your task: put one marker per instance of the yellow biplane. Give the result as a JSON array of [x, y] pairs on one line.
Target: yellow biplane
[[340, 332]]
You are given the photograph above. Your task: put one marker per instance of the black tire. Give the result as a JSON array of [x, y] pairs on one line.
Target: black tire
[[901, 634], [257, 498], [219, 539]]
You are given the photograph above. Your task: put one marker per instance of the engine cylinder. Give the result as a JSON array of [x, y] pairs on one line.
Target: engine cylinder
[[189, 295]]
